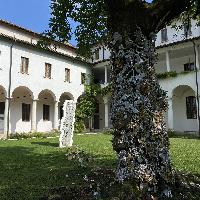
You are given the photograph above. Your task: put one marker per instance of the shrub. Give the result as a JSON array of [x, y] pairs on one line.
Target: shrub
[[167, 75], [19, 136], [79, 126]]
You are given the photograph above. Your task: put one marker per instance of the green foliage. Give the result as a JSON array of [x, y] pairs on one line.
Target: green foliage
[[93, 18], [106, 90], [171, 74], [86, 105], [30, 167], [108, 131], [89, 17], [20, 136], [167, 75], [79, 125]]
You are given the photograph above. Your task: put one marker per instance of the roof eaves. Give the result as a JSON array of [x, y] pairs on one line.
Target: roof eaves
[[36, 34], [45, 49]]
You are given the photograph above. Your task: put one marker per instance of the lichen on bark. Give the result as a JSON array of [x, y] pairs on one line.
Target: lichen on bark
[[138, 105]]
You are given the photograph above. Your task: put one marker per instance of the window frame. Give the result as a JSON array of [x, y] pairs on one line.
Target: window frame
[[67, 75], [46, 112], [191, 107], [187, 32], [24, 69], [48, 68], [83, 78], [188, 68], [96, 54], [164, 35], [26, 112]]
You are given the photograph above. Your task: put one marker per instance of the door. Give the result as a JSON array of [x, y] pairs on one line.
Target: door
[[2, 108], [96, 121]]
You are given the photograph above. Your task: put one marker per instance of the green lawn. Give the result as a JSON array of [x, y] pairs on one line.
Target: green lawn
[[30, 168]]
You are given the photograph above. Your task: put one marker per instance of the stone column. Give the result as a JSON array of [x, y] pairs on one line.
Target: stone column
[[170, 114], [197, 57], [6, 114], [55, 126], [34, 116], [106, 74], [168, 61], [106, 112]]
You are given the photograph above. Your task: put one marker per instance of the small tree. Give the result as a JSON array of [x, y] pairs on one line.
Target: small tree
[[129, 29], [86, 105]]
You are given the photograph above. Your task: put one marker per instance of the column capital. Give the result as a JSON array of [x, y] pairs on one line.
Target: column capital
[[105, 100]]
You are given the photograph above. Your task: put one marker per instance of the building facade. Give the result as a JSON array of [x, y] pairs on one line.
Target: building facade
[[178, 57], [35, 82]]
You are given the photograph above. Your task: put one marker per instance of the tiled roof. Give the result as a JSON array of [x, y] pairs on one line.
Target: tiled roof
[[33, 33]]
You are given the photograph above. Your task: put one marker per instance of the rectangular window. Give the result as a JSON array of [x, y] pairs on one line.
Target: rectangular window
[[67, 75], [61, 112], [164, 37], [189, 67], [2, 108], [47, 70], [46, 112], [187, 29], [26, 110], [96, 54], [24, 65], [83, 78], [191, 107]]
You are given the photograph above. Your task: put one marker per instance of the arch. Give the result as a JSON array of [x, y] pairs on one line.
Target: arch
[[22, 92], [47, 94], [22, 97], [181, 121], [3, 92], [65, 96], [181, 89]]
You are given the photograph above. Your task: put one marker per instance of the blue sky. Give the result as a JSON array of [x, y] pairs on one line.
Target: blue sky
[[30, 14]]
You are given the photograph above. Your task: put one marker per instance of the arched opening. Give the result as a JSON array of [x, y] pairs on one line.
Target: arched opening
[[2, 108], [45, 110], [20, 109], [64, 96], [184, 109]]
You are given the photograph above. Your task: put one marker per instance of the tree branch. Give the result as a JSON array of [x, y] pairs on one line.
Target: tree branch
[[164, 11], [126, 14]]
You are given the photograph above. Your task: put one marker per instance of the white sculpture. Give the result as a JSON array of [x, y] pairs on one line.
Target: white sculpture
[[67, 124]]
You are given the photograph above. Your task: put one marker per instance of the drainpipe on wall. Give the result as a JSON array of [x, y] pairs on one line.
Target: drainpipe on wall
[[197, 85], [9, 88]]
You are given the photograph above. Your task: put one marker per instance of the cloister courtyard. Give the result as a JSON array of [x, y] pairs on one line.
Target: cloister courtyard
[[39, 169]]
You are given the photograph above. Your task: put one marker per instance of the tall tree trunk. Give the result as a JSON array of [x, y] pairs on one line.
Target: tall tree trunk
[[138, 105]]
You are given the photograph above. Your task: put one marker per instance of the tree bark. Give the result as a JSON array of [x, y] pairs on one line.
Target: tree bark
[[138, 106], [138, 102]]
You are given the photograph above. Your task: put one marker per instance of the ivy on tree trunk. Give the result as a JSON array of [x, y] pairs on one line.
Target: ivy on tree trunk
[[138, 106]]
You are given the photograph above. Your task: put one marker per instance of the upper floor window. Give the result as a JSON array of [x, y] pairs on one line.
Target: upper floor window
[[191, 107], [164, 37], [24, 65], [46, 112], [83, 78], [187, 29], [96, 54], [67, 75], [26, 108], [47, 70], [189, 66]]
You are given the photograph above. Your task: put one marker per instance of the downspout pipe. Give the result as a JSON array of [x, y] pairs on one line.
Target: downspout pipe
[[197, 86], [9, 88]]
